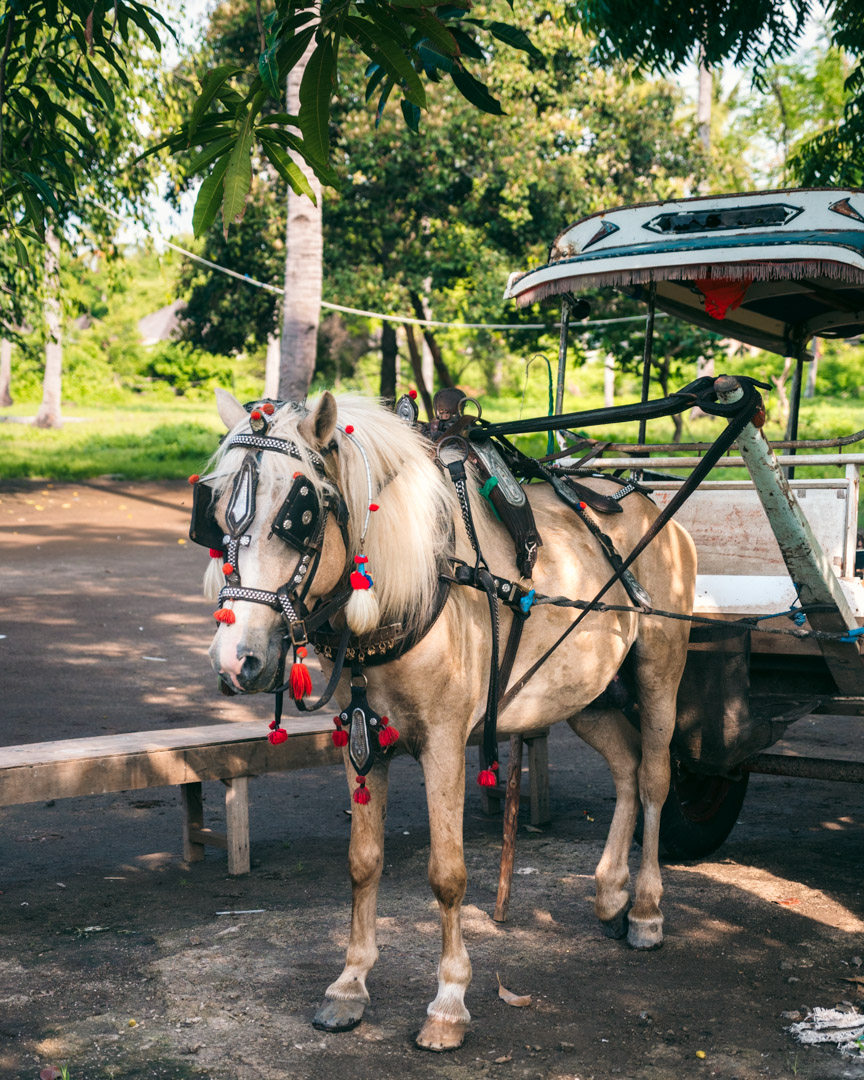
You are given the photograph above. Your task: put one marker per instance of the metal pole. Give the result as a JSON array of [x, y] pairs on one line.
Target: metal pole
[[647, 354], [562, 355], [795, 405]]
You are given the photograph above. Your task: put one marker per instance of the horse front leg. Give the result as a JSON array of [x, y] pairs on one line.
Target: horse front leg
[[346, 999], [443, 761]]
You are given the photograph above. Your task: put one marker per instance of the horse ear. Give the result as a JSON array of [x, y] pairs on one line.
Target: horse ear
[[319, 426], [230, 409]]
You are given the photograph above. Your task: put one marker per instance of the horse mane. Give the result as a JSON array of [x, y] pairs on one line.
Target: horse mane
[[409, 532]]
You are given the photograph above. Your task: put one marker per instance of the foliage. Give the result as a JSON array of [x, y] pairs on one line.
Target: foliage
[[665, 35], [238, 112], [60, 65], [184, 367]]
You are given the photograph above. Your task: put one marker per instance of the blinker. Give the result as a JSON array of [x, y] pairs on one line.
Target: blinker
[[299, 516], [203, 528]]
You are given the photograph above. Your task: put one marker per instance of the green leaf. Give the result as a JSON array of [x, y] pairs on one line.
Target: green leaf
[[435, 31], [511, 35], [380, 48], [280, 118], [43, 189], [268, 68], [412, 116], [316, 86], [238, 178], [23, 257], [325, 174], [289, 170], [209, 198], [136, 14], [204, 157], [382, 101], [467, 44], [102, 88], [374, 82], [210, 84], [410, 3], [475, 92], [433, 62], [291, 50]]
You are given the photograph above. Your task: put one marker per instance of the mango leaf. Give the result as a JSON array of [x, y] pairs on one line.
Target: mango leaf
[[434, 62], [203, 158], [209, 198], [412, 116], [279, 118], [268, 69], [410, 3], [378, 47], [102, 88], [290, 50], [382, 101], [435, 30], [316, 86], [511, 35], [467, 44], [378, 73], [238, 178], [289, 170], [23, 257], [210, 84], [137, 16], [518, 1001], [43, 189], [475, 92], [286, 139]]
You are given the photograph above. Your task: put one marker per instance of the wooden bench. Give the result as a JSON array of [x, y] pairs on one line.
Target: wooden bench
[[186, 757]]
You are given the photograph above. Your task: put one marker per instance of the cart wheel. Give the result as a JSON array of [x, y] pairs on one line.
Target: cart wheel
[[699, 813]]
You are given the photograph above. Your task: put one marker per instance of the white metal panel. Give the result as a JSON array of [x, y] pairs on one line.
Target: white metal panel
[[760, 594]]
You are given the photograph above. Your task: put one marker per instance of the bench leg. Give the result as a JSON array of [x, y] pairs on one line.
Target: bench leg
[[193, 820], [237, 823], [538, 778]]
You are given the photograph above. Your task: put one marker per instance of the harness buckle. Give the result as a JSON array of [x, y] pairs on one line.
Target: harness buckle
[[298, 637]]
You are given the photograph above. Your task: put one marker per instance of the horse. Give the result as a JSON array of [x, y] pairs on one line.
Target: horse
[[436, 690]]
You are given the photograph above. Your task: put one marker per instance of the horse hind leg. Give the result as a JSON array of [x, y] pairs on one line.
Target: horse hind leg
[[346, 999], [609, 732]]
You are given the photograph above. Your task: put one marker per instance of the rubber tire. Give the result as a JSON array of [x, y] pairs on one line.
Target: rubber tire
[[699, 813]]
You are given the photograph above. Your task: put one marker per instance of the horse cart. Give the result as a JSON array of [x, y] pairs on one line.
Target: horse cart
[[773, 270]]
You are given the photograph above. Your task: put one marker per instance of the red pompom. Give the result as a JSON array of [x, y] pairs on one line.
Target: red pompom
[[301, 652], [361, 795], [349, 429], [373, 507], [296, 474], [255, 414], [358, 580], [340, 738], [227, 569], [581, 506], [225, 615], [360, 559], [387, 735], [215, 553], [487, 778], [337, 720], [277, 736], [272, 725], [194, 478], [412, 394], [268, 408], [300, 682]]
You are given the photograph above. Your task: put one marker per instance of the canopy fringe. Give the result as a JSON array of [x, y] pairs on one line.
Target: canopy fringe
[[758, 271]]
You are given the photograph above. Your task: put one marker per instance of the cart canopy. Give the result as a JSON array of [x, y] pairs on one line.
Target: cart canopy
[[771, 268]]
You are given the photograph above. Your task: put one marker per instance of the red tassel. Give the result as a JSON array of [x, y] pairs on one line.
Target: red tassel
[[361, 795], [340, 738], [359, 580], [277, 736], [301, 682], [194, 478], [225, 615], [387, 735], [215, 553], [272, 725], [487, 778]]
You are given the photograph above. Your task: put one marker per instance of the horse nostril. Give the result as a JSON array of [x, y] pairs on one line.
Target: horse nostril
[[250, 669]]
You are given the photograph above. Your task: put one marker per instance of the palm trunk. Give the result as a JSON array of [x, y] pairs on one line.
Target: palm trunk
[[48, 415], [303, 270], [609, 381], [444, 376], [417, 369], [5, 372], [271, 367]]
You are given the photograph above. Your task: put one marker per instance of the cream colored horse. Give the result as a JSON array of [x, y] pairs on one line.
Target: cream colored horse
[[436, 692]]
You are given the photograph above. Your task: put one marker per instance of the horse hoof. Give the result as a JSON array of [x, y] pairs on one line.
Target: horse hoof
[[441, 1035], [618, 925], [338, 1015], [645, 934]]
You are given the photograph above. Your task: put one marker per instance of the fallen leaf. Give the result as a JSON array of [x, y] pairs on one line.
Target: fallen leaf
[[790, 902], [502, 1060], [50, 1074], [855, 979], [512, 999]]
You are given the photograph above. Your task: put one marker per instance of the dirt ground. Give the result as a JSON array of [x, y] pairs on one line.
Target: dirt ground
[[114, 961]]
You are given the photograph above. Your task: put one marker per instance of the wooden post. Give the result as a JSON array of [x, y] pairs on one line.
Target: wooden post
[[511, 823], [193, 819], [538, 777], [237, 824]]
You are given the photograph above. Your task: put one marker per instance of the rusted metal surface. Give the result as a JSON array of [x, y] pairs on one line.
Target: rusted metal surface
[[805, 560], [806, 768]]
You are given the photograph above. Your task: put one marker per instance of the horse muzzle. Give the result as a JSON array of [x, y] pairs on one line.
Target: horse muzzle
[[251, 663]]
